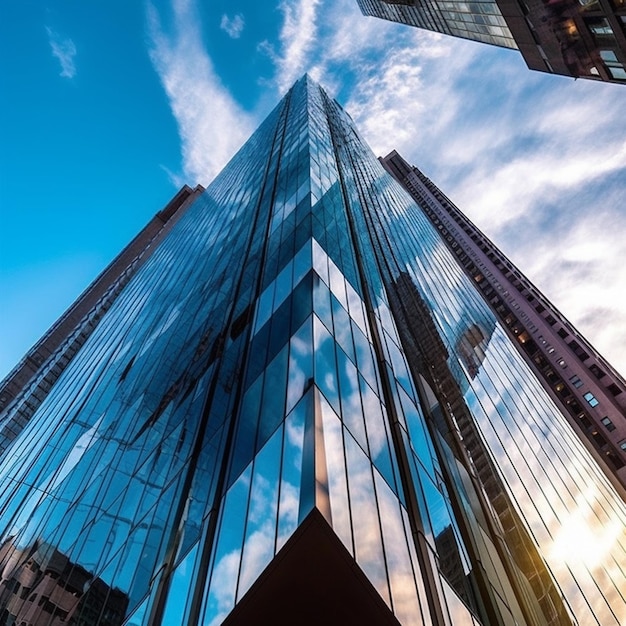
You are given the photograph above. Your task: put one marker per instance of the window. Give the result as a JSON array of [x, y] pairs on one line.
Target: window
[[622, 445], [616, 69], [563, 333], [600, 27], [608, 423], [599, 439], [596, 371], [591, 399], [608, 56], [576, 381], [578, 351], [617, 72], [614, 389]]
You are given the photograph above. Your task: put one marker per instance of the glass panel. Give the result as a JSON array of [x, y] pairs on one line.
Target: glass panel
[[406, 605], [364, 358], [325, 368], [365, 523], [459, 613], [379, 444], [223, 580], [283, 285], [349, 393], [321, 302], [261, 516], [274, 393], [289, 507], [337, 285], [300, 363], [264, 306], [337, 485], [342, 329], [302, 301], [245, 437], [302, 262], [320, 262], [179, 591]]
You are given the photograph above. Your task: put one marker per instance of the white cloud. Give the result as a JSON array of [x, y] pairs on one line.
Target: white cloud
[[297, 38], [234, 26], [211, 124], [65, 51], [579, 266]]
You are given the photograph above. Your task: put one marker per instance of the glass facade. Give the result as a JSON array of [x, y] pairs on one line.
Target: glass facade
[[480, 20], [303, 346], [579, 38]]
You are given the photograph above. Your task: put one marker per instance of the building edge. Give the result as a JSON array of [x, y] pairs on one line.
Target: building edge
[[27, 384]]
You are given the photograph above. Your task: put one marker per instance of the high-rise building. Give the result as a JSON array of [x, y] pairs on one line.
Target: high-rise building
[[300, 409], [579, 38]]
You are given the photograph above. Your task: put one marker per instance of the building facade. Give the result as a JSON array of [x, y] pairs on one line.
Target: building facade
[[300, 409], [578, 38]]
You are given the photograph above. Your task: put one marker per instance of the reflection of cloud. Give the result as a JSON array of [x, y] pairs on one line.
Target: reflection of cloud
[[580, 529], [210, 122], [258, 552], [65, 51], [259, 502], [363, 524], [223, 585], [288, 511], [234, 26]]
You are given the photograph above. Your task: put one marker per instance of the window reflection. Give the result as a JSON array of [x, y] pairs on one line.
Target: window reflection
[[40, 585]]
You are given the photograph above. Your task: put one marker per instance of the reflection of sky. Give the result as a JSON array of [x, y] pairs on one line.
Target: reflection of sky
[[260, 506], [575, 516], [54, 479]]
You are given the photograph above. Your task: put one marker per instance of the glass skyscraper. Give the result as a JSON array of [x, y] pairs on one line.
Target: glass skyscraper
[[299, 409], [579, 38]]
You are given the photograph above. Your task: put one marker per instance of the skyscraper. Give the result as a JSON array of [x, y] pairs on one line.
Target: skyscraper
[[300, 409], [579, 38]]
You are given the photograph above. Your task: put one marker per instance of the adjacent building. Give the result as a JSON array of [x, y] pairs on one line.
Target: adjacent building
[[578, 38], [300, 408]]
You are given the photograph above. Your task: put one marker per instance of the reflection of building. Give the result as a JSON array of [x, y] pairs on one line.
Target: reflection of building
[[579, 38], [471, 348], [40, 586], [300, 410], [590, 392]]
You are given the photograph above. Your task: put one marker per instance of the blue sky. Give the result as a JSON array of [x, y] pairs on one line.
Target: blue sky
[[108, 107]]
